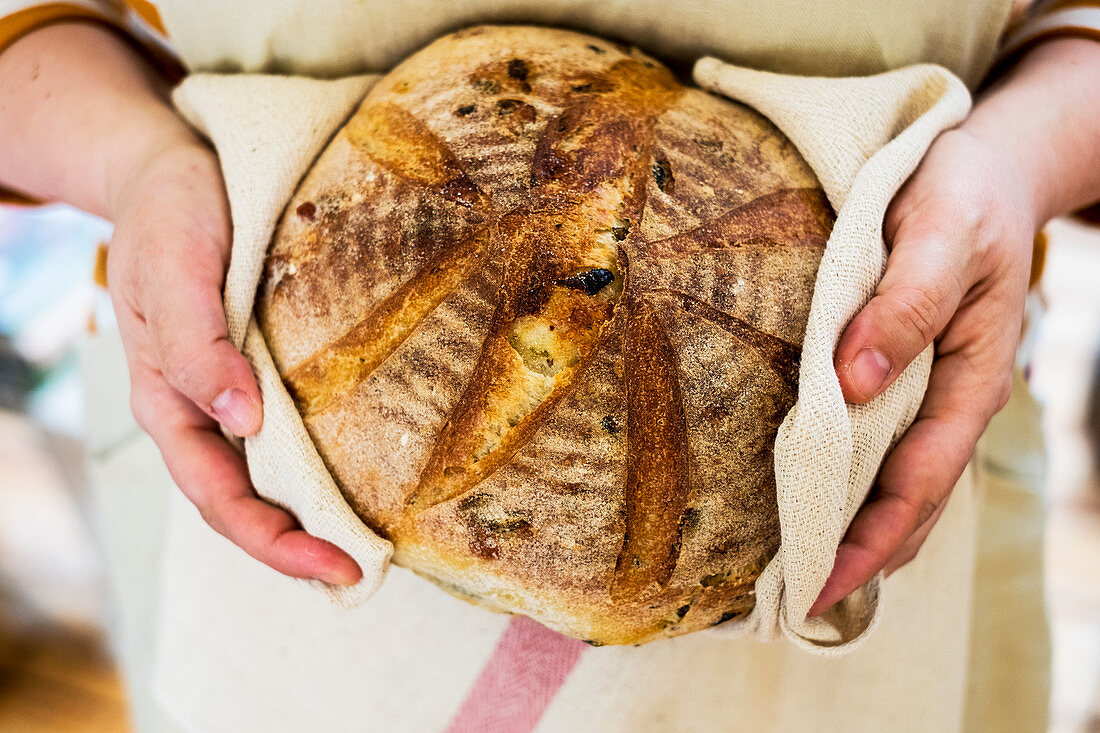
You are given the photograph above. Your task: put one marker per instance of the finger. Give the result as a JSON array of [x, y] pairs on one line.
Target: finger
[[895, 508], [918, 475], [909, 549], [182, 304], [213, 476], [925, 280]]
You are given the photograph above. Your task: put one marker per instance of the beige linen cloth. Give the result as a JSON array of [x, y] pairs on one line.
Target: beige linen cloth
[[862, 136]]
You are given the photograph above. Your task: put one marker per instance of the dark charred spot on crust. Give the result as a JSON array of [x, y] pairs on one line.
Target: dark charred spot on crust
[[610, 424], [727, 616], [533, 298], [486, 530], [689, 520], [595, 49], [473, 501], [584, 147], [486, 86], [592, 84], [461, 190], [621, 232], [590, 281], [683, 610], [507, 525], [307, 211], [518, 69], [534, 290], [516, 108], [466, 109], [662, 175]]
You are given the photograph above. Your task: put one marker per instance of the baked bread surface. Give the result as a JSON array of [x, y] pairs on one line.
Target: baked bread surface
[[540, 307]]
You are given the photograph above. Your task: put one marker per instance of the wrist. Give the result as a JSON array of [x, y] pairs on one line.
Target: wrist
[[1000, 178], [83, 113], [1044, 116], [1020, 173], [169, 143]]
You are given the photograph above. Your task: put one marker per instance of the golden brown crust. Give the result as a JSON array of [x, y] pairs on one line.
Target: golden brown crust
[[539, 306], [657, 481]]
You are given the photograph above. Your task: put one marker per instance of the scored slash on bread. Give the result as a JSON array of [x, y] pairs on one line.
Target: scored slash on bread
[[584, 192], [539, 306]]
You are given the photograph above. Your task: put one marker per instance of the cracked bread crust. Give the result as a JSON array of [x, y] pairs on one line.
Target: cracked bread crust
[[540, 307]]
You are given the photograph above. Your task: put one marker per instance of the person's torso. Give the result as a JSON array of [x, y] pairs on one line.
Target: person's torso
[[840, 38]]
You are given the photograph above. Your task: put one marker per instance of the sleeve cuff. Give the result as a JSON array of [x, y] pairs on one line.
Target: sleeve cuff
[[18, 24], [138, 28], [1079, 19], [10, 198], [1091, 215], [1047, 21]]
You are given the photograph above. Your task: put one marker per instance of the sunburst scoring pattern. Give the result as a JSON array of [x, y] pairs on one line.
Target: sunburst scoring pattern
[[566, 260]]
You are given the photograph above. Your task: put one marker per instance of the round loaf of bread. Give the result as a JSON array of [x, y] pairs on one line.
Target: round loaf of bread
[[540, 306]]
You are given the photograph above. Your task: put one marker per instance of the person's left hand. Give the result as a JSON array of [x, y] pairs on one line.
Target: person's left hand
[[960, 237]]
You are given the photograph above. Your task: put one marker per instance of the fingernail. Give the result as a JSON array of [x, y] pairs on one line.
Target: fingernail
[[337, 577], [869, 371], [234, 410]]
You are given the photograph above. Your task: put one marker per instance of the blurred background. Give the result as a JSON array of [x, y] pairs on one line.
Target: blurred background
[[56, 671]]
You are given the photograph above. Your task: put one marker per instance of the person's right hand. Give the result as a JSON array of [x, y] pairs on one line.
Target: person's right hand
[[84, 119], [166, 268]]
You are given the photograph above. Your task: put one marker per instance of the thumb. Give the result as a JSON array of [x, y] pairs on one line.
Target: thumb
[[917, 297], [189, 335]]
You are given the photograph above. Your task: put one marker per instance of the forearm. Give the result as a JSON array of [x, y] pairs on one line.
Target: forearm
[[1045, 114], [80, 111]]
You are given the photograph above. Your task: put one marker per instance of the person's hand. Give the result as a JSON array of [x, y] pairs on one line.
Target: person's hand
[[166, 268], [84, 119], [960, 237]]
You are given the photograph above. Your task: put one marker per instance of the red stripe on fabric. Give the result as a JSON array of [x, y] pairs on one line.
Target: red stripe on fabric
[[526, 670]]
